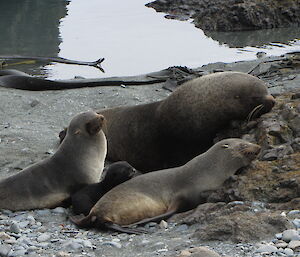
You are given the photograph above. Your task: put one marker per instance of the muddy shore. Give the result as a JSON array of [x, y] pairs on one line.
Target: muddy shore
[[29, 127]]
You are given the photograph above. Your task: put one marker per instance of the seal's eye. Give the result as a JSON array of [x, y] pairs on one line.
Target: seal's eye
[[225, 146], [237, 97]]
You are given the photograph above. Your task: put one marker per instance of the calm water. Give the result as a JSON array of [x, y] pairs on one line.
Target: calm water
[[133, 39]]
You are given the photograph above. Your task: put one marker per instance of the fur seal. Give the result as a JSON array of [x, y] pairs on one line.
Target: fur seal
[[113, 175], [158, 195], [78, 161], [20, 80], [170, 132]]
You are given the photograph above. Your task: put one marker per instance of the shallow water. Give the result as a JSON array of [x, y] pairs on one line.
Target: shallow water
[[133, 39]]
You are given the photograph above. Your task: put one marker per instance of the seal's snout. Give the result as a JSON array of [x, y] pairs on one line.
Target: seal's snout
[[252, 151], [95, 124], [257, 149], [269, 103], [100, 118]]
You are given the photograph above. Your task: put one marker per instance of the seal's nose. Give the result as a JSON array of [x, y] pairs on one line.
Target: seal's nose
[[257, 149], [270, 100], [268, 103]]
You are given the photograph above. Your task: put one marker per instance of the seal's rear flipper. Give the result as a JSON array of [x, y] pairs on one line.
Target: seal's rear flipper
[[127, 230]]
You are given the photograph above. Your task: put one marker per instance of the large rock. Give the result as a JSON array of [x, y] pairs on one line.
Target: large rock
[[236, 222], [232, 15], [275, 177]]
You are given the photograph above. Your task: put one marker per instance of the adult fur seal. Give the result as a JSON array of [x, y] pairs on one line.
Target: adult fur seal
[[170, 132], [113, 175], [160, 194], [78, 161]]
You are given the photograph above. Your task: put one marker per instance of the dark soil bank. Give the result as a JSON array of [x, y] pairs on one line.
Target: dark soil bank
[[232, 15]]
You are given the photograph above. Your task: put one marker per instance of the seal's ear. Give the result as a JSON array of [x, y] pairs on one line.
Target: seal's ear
[[94, 125]]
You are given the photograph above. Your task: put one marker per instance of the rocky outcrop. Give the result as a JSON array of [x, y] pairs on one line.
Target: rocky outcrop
[[275, 177], [232, 15], [236, 222]]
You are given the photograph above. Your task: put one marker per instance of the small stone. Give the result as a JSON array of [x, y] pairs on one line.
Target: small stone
[[6, 212], [270, 156], [296, 223], [114, 244], [281, 244], [290, 234], [72, 245], [288, 252], [144, 243], [34, 103], [62, 254], [295, 96], [183, 227], [32, 248], [24, 240], [18, 253], [4, 249], [294, 244], [31, 219], [267, 249], [123, 237], [150, 225], [44, 212], [20, 217], [184, 253], [23, 224], [44, 245], [4, 236], [199, 251], [233, 203], [14, 228], [163, 224], [59, 210], [278, 236], [87, 243], [43, 238], [293, 212]]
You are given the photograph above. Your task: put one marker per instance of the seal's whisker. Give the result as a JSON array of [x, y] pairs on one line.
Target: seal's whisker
[[252, 113]]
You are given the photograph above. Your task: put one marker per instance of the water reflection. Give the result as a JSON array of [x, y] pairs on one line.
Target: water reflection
[[255, 38], [134, 39], [31, 27]]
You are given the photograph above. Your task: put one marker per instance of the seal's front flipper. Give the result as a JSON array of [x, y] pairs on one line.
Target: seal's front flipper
[[127, 230], [83, 221], [154, 219]]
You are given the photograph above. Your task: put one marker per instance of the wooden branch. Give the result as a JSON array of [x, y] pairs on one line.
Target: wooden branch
[[96, 64]]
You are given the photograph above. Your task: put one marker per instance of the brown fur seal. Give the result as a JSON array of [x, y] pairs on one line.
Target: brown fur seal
[[160, 194], [78, 161], [113, 175], [170, 132]]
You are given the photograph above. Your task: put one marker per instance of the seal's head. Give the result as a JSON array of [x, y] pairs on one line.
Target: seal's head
[[252, 95], [239, 151], [86, 124], [118, 173]]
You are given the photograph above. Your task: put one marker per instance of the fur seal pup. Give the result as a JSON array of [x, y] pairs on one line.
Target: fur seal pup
[[78, 161], [113, 175], [158, 195]]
